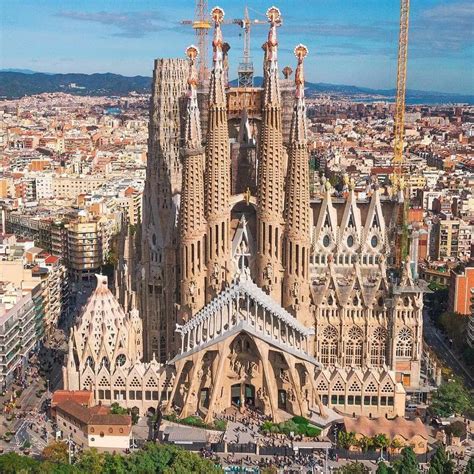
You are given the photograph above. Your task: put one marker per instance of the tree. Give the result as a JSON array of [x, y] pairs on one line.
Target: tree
[[56, 452], [365, 443], [114, 464], [470, 466], [407, 464], [382, 468], [353, 468], [48, 467], [116, 409], [381, 441], [346, 439], [468, 355], [396, 444], [13, 463], [451, 398], [91, 461], [440, 463], [455, 325]]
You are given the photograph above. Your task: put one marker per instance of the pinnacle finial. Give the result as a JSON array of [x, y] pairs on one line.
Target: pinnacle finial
[[274, 15], [193, 124], [192, 52], [287, 72], [301, 51], [217, 14]]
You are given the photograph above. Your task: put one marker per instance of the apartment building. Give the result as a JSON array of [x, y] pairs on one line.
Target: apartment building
[[19, 311], [452, 239], [470, 327], [25, 266], [460, 290], [67, 186]]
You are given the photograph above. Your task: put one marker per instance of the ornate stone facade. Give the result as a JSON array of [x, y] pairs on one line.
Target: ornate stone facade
[[158, 277], [105, 352], [273, 300]]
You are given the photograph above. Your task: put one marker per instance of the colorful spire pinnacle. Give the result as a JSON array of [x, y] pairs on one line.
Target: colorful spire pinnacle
[[301, 51], [298, 124], [217, 84], [193, 138], [272, 89]]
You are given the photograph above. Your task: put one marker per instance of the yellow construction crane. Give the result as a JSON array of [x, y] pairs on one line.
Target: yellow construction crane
[[399, 132], [201, 25]]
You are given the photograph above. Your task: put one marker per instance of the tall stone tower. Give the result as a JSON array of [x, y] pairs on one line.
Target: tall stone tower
[[270, 174], [217, 187], [296, 291], [192, 220], [278, 301], [158, 280]]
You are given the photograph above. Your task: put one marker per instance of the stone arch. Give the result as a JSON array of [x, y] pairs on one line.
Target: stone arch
[[354, 347], [378, 346], [329, 346], [404, 343]]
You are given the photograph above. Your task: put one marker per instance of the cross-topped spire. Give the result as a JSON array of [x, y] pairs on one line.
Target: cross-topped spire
[[193, 138], [217, 83], [272, 89], [298, 124]]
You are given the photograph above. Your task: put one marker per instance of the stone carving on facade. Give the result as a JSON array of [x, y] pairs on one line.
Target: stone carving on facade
[[216, 276], [268, 277], [312, 260]]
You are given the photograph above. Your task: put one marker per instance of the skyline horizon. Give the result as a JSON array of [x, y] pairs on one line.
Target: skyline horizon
[[352, 44], [360, 86]]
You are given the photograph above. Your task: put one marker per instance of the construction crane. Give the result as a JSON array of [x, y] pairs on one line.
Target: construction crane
[[201, 26], [399, 134], [245, 70]]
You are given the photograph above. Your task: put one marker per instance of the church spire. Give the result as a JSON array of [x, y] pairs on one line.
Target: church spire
[[193, 138], [217, 191], [272, 83], [296, 297], [270, 172], [192, 220], [217, 83]]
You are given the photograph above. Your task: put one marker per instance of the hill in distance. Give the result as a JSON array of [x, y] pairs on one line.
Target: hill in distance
[[18, 83]]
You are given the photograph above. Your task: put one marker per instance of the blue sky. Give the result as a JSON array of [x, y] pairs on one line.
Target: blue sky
[[350, 41]]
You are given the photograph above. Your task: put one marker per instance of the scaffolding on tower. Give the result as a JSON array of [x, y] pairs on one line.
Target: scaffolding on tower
[[398, 179], [245, 70]]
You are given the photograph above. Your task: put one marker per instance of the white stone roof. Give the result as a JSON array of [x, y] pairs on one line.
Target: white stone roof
[[258, 295]]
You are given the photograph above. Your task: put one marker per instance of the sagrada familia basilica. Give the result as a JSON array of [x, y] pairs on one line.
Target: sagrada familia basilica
[[250, 290]]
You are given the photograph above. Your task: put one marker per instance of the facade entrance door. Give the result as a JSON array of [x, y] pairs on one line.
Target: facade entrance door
[[245, 392], [204, 398], [235, 394], [249, 395], [282, 399]]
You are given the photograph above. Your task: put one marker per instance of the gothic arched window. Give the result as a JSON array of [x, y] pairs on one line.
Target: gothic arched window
[[120, 360], [162, 348], [378, 344], [90, 362], [404, 343], [104, 363], [329, 346], [354, 347]]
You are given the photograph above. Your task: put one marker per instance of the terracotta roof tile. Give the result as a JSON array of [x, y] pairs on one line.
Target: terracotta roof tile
[[399, 426], [82, 397]]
